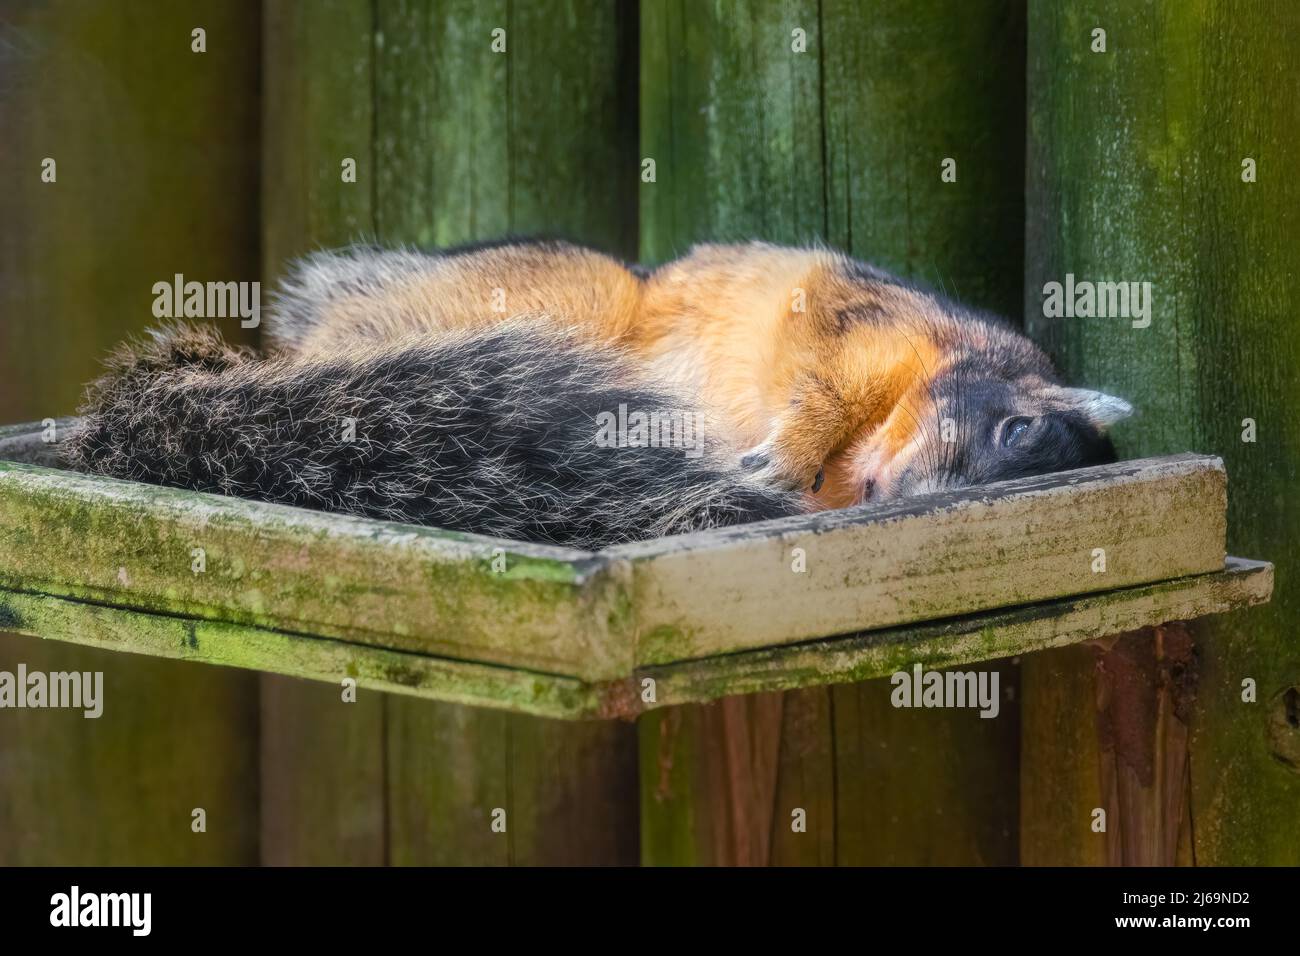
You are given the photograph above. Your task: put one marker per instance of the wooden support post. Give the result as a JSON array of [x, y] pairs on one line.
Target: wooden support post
[[795, 121], [1116, 742], [110, 188], [1161, 149], [459, 132]]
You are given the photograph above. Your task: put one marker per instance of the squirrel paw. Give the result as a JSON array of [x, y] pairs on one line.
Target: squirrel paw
[[767, 465]]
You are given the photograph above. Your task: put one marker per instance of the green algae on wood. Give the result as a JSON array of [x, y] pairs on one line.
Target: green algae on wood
[[805, 120], [594, 615], [454, 141], [873, 654], [1013, 543], [323, 766], [156, 150], [1170, 158], [601, 593], [473, 144], [260, 649], [407, 587], [976, 638]]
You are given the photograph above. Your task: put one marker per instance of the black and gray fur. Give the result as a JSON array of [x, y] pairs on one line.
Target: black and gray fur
[[493, 432]]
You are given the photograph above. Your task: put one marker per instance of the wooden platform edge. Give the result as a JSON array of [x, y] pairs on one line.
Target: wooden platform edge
[[966, 640], [248, 647], [424, 590], [929, 558], [990, 635], [35, 443], [597, 616]]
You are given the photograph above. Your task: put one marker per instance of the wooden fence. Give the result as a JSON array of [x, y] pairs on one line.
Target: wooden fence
[[642, 128]]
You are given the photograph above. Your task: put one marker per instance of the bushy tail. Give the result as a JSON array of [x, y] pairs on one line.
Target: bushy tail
[[493, 432]]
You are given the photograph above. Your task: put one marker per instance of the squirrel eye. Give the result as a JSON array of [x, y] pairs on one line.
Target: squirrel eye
[[1013, 429]]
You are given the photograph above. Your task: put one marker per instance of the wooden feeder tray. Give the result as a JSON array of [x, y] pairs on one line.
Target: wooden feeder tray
[[946, 579]]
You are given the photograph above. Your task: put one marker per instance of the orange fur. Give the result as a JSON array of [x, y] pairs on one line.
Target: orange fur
[[569, 284], [790, 350], [793, 354]]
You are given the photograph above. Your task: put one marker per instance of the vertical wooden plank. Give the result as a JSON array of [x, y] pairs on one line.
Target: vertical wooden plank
[[474, 144], [1147, 685], [907, 87], [1060, 757], [449, 778], [156, 153], [1120, 747], [453, 142], [322, 775], [317, 112], [323, 769], [1135, 173], [843, 142], [710, 783], [806, 760], [925, 787], [732, 118]]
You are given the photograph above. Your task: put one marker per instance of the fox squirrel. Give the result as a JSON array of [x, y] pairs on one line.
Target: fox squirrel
[[477, 380]]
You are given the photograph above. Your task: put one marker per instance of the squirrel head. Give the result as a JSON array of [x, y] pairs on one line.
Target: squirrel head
[[966, 429], [988, 406]]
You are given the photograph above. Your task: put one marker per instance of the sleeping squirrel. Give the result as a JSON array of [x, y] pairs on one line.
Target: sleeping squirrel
[[468, 389]]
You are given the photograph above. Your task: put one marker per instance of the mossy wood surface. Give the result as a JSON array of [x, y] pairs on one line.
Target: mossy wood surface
[[453, 141], [408, 588], [1139, 161], [330, 596], [278, 652], [1000, 545], [1130, 177], [155, 152], [966, 639], [963, 640], [324, 763], [819, 120], [595, 616]]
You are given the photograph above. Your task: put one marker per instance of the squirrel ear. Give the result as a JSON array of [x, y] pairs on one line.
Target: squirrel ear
[[1099, 408]]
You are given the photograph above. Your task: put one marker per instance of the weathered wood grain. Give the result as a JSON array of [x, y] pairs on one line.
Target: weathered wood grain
[[459, 142], [1012, 543], [842, 142], [968, 639], [156, 151], [474, 144], [1130, 761], [702, 805], [989, 636], [405, 587], [1135, 173], [905, 88], [323, 761], [727, 755], [228, 644], [958, 760], [1057, 795], [323, 773], [593, 616]]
